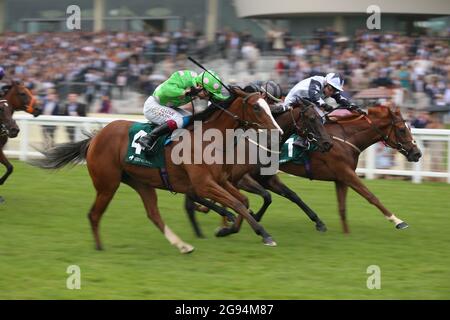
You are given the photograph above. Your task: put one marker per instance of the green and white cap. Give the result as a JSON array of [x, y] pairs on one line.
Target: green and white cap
[[211, 82]]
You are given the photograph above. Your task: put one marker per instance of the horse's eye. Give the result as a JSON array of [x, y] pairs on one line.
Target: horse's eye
[[312, 118], [256, 108], [402, 130]]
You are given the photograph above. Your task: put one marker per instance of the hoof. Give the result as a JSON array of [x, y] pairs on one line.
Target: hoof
[[321, 227], [402, 225], [269, 242], [224, 231], [186, 248]]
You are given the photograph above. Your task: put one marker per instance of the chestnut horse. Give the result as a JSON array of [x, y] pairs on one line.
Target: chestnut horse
[[18, 97], [105, 157], [353, 135], [303, 120]]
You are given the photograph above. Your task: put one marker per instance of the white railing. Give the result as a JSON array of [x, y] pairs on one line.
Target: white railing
[[374, 162]]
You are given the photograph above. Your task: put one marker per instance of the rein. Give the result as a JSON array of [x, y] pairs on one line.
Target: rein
[[384, 138], [245, 123]]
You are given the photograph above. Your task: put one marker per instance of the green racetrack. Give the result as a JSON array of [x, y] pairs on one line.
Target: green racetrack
[[44, 229]]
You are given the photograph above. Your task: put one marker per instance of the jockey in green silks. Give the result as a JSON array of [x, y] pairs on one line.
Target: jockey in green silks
[[164, 107]]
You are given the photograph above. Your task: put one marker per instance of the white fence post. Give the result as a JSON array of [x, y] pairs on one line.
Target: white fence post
[[24, 140], [370, 162], [417, 177], [448, 159]]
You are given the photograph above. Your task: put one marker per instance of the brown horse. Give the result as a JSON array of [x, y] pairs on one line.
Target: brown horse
[[18, 97], [302, 120], [105, 156], [353, 134]]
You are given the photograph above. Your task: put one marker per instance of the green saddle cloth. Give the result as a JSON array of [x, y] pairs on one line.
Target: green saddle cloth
[[292, 153], [135, 154]]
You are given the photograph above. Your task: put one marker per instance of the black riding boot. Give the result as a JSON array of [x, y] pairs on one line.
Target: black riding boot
[[148, 141]]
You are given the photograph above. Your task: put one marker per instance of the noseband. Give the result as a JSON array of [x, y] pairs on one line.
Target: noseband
[[305, 131]]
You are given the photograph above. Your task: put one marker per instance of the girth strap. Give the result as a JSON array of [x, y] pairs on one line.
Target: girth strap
[[165, 179]]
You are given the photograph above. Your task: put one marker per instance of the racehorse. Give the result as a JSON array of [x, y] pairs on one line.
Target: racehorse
[[18, 97], [353, 134], [303, 120], [105, 157]]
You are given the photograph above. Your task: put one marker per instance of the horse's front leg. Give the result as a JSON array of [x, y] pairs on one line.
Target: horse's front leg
[[189, 206], [247, 183], [356, 184], [341, 193], [229, 196], [9, 167], [274, 184]]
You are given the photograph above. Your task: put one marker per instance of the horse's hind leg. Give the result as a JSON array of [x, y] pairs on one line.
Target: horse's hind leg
[[149, 197], [106, 186]]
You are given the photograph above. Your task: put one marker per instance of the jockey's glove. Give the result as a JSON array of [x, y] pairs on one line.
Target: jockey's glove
[[193, 91]]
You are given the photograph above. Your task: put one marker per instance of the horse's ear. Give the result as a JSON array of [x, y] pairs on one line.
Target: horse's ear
[[237, 91]]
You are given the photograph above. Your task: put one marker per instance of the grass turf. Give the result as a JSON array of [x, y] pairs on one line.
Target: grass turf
[[44, 229]]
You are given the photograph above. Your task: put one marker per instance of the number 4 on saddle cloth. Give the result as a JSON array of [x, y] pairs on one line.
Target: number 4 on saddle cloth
[[135, 154], [297, 155]]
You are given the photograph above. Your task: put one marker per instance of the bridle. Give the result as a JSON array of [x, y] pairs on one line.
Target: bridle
[[384, 137], [245, 123], [241, 122], [392, 128], [28, 107], [306, 131]]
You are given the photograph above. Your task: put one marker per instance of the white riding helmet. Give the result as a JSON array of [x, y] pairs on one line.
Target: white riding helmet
[[335, 80]]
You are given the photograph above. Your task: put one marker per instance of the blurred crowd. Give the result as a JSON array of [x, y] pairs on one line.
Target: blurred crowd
[[101, 62]]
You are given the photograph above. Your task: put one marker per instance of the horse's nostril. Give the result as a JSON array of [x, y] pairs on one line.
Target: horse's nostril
[[14, 131]]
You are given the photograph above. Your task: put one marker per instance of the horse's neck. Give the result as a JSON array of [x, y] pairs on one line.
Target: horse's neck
[[221, 121], [286, 123], [361, 133]]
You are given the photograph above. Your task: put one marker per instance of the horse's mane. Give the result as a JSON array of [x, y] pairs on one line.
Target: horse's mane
[[379, 111], [216, 105]]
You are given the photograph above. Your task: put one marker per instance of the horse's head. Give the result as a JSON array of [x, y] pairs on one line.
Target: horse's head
[[252, 111], [309, 125], [20, 98], [397, 134], [8, 126]]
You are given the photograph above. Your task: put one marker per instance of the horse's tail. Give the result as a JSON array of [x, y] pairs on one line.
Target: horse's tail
[[64, 154]]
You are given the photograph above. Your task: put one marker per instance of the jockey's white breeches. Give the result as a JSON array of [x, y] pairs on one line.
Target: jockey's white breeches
[[159, 114]]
